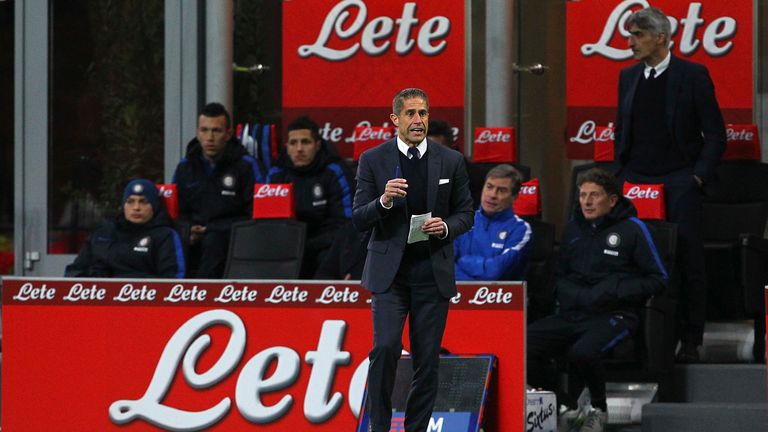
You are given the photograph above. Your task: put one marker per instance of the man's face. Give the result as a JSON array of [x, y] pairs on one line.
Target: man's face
[[497, 195], [412, 122], [302, 147], [213, 134], [594, 201], [137, 209], [645, 46]]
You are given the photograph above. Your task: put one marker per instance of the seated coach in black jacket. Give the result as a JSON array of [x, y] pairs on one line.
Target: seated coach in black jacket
[[138, 243]]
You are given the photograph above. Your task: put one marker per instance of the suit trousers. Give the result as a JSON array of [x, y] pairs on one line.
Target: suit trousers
[[427, 312], [684, 208]]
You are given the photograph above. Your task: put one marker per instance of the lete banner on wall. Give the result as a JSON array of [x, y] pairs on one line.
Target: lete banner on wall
[[718, 35], [150, 355], [344, 61]]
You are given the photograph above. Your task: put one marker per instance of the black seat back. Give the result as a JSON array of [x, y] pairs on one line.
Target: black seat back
[[266, 249]]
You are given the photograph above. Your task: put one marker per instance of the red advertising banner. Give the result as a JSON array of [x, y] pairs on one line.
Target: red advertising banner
[[344, 61], [743, 142], [170, 199], [648, 200], [367, 137], [718, 35], [494, 145], [273, 201], [604, 144], [528, 202], [95, 354]]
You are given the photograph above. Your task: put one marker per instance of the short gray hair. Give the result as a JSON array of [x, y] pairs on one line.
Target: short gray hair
[[399, 101], [653, 20], [507, 171]]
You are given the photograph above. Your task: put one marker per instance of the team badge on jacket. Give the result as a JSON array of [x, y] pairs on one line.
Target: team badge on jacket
[[502, 235], [228, 181], [142, 245], [317, 194], [613, 240]]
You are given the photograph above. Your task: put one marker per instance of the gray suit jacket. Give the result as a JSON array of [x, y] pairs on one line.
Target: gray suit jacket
[[448, 197]]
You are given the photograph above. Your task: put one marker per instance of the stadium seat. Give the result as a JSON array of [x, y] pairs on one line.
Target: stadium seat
[[650, 356], [539, 277], [735, 212], [266, 249]]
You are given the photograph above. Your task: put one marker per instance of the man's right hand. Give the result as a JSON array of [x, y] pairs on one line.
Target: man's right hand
[[196, 233], [395, 188]]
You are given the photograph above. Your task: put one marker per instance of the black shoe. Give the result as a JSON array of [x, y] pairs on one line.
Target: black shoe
[[689, 353]]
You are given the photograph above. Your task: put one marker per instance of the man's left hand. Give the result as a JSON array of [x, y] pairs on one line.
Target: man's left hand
[[434, 226]]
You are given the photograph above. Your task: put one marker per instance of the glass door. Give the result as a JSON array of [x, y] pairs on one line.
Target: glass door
[[91, 118], [7, 255]]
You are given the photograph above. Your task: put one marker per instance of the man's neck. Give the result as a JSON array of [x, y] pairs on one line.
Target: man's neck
[[659, 57]]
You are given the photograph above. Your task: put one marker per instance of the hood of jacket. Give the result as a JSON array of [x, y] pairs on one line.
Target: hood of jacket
[[622, 210], [232, 152]]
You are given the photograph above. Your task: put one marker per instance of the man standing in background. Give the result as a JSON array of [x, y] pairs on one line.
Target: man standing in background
[[669, 130]]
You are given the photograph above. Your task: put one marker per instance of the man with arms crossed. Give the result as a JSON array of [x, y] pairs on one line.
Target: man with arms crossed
[[403, 177]]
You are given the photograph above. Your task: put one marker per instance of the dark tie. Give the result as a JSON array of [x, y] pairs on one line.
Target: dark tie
[[414, 153], [652, 73]]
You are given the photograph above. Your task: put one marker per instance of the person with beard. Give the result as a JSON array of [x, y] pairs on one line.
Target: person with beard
[[138, 243], [321, 188]]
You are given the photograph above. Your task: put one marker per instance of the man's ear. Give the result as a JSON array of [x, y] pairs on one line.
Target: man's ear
[[613, 199], [394, 119]]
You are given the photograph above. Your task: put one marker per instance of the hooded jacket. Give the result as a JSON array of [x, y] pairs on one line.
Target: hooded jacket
[[120, 248], [610, 265], [322, 194], [215, 196]]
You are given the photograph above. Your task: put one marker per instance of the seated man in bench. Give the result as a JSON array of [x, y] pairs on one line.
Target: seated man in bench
[[499, 243], [608, 267], [139, 243]]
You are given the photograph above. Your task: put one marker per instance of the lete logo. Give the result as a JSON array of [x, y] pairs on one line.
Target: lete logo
[[430, 41], [189, 342], [715, 34], [636, 192], [270, 191]]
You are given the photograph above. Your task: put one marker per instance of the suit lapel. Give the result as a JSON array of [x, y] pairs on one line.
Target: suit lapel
[[630, 95], [433, 173], [392, 167], [673, 89]]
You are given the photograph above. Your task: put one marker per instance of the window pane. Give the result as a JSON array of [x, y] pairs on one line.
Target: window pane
[[6, 136], [106, 111]]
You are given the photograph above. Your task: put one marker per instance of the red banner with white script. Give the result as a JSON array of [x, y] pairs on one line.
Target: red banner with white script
[[718, 35], [743, 142], [648, 200], [94, 354], [344, 61], [273, 201]]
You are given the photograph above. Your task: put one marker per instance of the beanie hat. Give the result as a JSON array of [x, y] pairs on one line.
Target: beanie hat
[[144, 188]]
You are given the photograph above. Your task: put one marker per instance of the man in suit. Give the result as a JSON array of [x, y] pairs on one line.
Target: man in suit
[[404, 177], [669, 130]]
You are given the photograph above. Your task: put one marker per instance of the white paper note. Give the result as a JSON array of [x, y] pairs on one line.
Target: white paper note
[[415, 234]]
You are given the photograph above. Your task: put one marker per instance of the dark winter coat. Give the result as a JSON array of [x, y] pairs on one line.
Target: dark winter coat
[[123, 249], [219, 195], [611, 265]]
